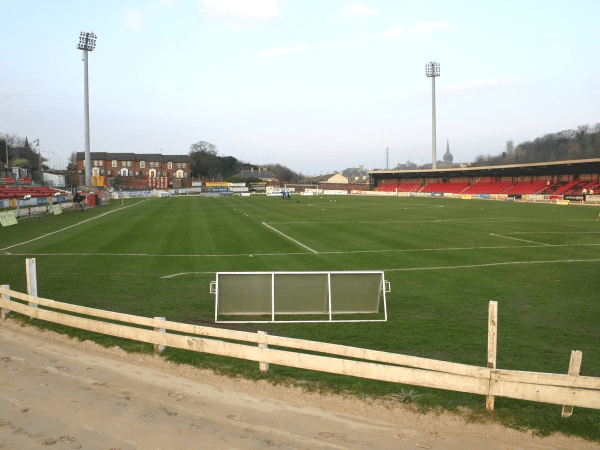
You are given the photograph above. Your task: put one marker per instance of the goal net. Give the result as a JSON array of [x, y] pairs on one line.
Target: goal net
[[304, 189], [299, 296]]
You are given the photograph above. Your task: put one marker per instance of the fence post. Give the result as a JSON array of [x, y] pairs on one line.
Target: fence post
[[4, 311], [32, 288], [492, 346], [159, 349], [574, 368], [262, 339]]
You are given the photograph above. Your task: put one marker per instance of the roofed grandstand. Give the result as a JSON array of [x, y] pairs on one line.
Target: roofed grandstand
[[575, 177]]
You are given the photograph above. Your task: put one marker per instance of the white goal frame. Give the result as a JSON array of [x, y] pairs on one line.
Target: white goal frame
[[314, 188], [384, 287]]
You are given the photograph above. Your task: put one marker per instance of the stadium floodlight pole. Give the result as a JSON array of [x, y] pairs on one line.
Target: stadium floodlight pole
[[87, 43], [433, 70]]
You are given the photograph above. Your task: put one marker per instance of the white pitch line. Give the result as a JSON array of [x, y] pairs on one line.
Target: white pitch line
[[517, 239], [71, 226], [407, 250], [459, 221], [508, 263], [554, 232], [291, 239]]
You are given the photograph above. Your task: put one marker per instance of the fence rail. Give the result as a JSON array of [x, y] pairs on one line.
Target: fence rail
[[569, 390]]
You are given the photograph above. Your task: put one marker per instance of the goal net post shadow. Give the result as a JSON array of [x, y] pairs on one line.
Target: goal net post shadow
[[287, 297]]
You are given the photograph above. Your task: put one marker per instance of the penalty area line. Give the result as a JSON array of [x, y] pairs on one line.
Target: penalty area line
[[507, 263], [291, 239], [517, 239]]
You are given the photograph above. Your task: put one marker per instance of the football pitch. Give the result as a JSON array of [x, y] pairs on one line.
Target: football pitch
[[445, 260]]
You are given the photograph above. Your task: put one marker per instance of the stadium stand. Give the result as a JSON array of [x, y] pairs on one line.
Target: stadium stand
[[452, 188], [488, 188], [526, 187], [20, 192]]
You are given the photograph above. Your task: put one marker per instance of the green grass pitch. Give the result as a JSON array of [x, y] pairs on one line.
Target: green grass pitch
[[445, 259]]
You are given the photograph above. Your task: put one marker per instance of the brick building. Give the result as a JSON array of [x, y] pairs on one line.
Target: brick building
[[152, 165]]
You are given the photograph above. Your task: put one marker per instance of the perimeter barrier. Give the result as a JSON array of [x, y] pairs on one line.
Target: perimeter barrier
[[569, 390]]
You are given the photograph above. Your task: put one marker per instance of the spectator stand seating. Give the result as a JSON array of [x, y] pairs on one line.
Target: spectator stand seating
[[450, 188], [526, 187], [497, 187], [11, 192]]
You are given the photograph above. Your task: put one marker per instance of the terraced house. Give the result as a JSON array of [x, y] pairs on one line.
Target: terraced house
[[109, 166]]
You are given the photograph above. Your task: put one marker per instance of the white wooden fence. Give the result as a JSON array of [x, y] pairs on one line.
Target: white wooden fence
[[569, 390]]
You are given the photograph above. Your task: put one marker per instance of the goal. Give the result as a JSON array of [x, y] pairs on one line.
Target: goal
[[299, 296], [304, 189]]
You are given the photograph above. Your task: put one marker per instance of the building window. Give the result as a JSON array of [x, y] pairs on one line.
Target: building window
[[95, 163], [169, 165], [114, 163], [142, 164], [146, 172], [123, 163], [184, 174], [128, 163], [164, 174], [100, 163]]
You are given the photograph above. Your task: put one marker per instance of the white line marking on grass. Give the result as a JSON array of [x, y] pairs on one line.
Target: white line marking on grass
[[447, 249], [554, 232], [188, 273], [517, 239], [461, 221], [508, 263], [71, 226], [293, 240]]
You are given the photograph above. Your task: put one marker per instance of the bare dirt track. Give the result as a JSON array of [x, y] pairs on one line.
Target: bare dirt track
[[60, 393]]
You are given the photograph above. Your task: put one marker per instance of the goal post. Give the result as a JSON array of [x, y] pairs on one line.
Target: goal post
[[305, 296], [303, 189]]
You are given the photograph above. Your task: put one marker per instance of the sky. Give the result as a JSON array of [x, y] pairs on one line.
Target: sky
[[315, 85]]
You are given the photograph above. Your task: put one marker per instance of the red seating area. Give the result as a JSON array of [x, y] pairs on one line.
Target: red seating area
[[451, 188], [20, 192], [395, 187], [526, 187], [488, 188]]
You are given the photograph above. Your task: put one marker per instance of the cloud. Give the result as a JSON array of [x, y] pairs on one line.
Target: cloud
[[242, 9], [397, 31], [476, 84], [283, 51], [357, 10], [136, 18]]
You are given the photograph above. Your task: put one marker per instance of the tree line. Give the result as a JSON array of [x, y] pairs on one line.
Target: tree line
[[16, 151], [582, 143], [207, 163]]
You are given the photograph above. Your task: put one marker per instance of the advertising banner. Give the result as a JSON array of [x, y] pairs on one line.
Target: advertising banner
[[466, 197], [217, 184], [8, 218], [576, 198], [535, 197], [593, 198], [555, 197], [486, 196], [56, 209]]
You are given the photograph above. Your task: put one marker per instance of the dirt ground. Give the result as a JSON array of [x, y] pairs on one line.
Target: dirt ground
[[65, 394]]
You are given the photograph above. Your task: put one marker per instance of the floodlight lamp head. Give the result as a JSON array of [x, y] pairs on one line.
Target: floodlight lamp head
[[87, 41], [432, 69]]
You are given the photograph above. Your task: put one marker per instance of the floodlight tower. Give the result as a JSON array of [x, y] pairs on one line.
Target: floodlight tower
[[87, 43], [433, 70]]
